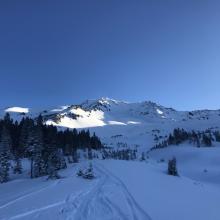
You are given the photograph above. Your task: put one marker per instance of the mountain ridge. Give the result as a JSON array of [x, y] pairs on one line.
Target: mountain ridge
[[122, 122]]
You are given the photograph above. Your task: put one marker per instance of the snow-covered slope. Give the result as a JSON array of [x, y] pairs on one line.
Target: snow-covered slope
[[123, 190], [135, 124]]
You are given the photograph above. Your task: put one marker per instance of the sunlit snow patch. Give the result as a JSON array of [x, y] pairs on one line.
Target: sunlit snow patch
[[84, 120], [159, 111], [83, 113], [17, 109]]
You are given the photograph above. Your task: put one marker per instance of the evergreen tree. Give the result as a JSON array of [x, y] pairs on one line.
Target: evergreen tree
[[61, 160], [25, 125], [217, 136], [55, 157], [43, 145], [8, 122], [172, 169], [53, 162], [35, 150], [207, 140], [5, 145]]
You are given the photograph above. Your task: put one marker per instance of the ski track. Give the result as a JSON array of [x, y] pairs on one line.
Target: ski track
[[36, 210], [97, 204], [137, 211], [28, 195], [44, 208]]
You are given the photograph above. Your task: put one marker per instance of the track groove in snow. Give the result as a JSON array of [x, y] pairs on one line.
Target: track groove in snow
[[27, 195], [137, 212], [104, 198], [19, 216], [109, 199]]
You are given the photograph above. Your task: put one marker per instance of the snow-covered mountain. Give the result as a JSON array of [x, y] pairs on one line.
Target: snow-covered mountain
[[122, 123], [130, 190]]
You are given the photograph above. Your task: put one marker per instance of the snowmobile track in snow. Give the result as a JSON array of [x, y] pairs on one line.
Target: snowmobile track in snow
[[109, 199], [28, 194], [106, 198]]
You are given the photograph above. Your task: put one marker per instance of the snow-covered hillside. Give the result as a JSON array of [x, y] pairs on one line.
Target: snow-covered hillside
[[122, 123], [122, 190]]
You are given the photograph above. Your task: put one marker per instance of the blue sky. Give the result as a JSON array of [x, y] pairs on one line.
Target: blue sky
[[63, 52]]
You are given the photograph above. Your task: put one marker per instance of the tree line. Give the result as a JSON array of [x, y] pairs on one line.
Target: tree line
[[125, 154], [199, 139], [44, 145]]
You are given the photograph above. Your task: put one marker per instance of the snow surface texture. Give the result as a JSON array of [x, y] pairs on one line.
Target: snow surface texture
[[122, 190], [71, 197]]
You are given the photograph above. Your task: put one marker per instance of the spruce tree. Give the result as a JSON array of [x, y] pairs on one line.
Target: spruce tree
[[53, 161], [5, 145], [172, 168], [35, 148], [25, 125], [207, 140], [54, 155], [61, 159]]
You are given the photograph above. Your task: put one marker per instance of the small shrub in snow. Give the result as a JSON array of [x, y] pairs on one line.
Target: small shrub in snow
[[86, 174], [89, 174], [79, 173]]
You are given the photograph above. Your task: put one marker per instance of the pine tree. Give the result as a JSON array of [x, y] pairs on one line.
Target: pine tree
[[44, 146], [172, 169], [5, 145], [217, 136], [54, 155], [61, 160], [8, 122], [35, 148], [53, 161], [25, 126], [207, 140]]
